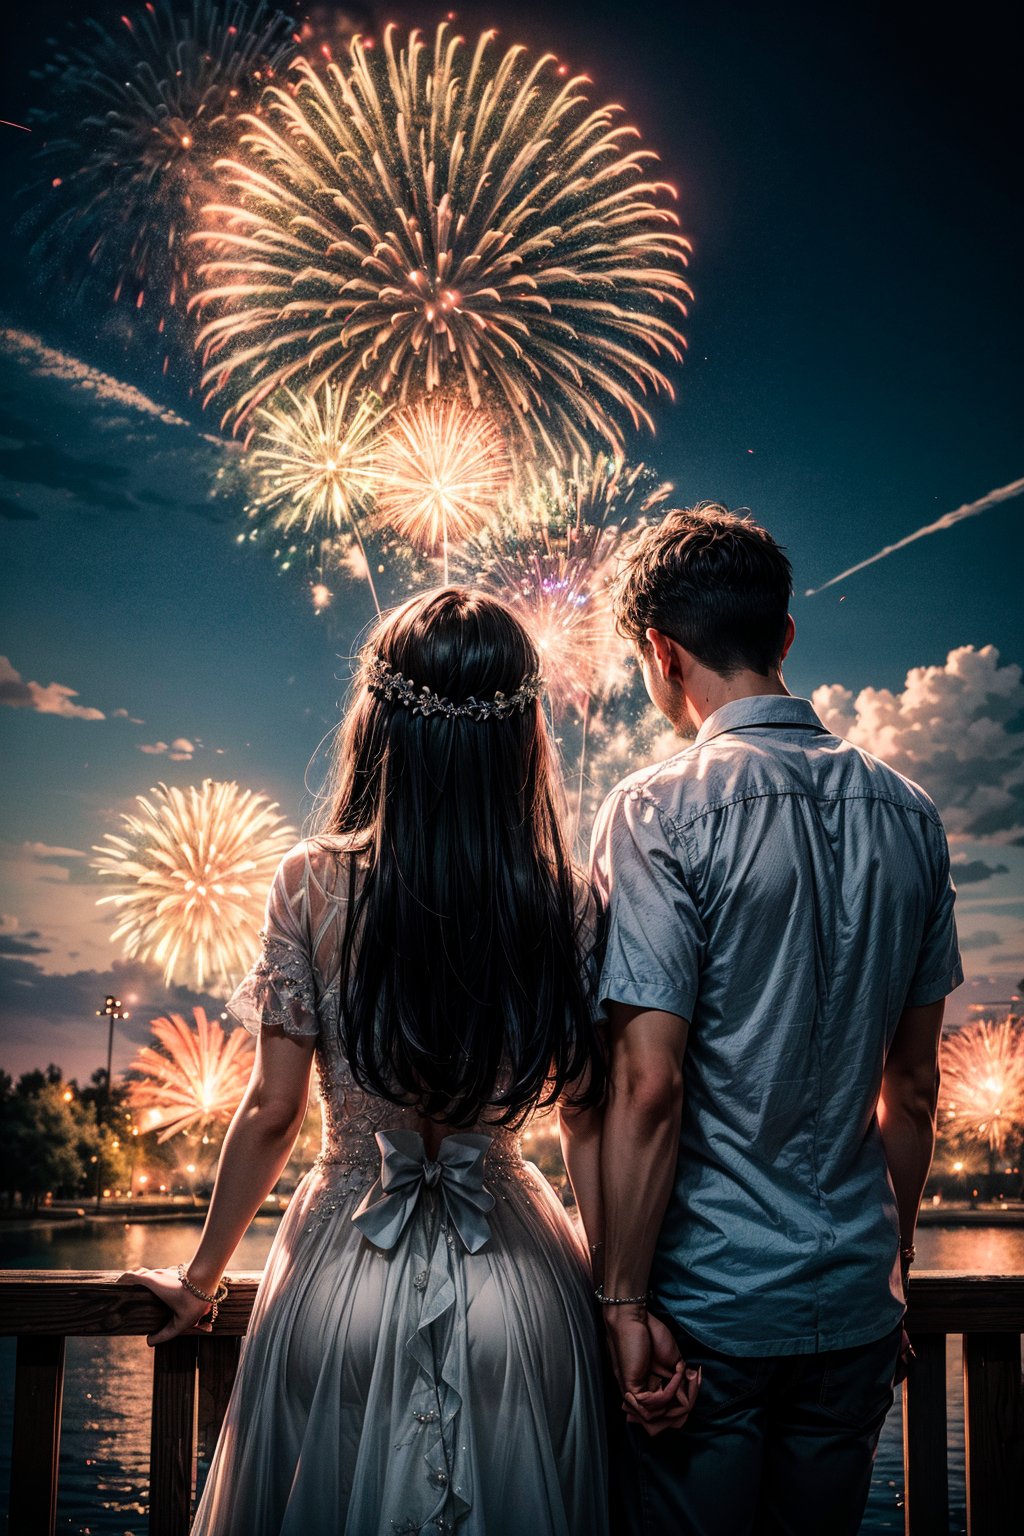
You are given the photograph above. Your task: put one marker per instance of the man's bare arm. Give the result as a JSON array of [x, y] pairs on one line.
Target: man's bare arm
[[907, 1105], [639, 1150], [640, 1140]]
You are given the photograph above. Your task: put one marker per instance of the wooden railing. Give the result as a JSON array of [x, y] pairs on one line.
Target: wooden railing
[[192, 1380]]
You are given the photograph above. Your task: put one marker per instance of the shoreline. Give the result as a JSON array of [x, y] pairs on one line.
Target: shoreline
[[79, 1218]]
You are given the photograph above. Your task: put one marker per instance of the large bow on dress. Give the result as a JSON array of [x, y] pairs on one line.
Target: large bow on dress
[[457, 1173]]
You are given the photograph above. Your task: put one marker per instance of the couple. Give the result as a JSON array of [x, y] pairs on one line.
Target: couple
[[738, 1016]]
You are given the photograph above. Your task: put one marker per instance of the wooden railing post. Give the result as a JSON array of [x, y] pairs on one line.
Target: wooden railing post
[[994, 1426], [38, 1395], [926, 1492], [172, 1438], [218, 1363]]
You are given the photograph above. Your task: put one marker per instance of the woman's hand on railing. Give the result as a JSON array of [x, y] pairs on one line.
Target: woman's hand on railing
[[187, 1311]]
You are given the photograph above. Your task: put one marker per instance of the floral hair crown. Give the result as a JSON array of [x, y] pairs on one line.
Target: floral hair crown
[[385, 683]]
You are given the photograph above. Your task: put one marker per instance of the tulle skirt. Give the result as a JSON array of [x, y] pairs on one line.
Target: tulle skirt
[[421, 1390]]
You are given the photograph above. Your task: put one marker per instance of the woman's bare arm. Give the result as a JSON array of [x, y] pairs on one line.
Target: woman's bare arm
[[256, 1148]]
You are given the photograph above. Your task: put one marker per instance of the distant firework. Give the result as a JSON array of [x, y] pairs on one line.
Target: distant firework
[[313, 462], [552, 555], [982, 1088], [135, 117], [192, 871], [512, 241], [441, 470], [196, 1080], [593, 488]]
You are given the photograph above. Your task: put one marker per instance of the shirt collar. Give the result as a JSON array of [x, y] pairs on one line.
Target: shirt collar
[[759, 709]]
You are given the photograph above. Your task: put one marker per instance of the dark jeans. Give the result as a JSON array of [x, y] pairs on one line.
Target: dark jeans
[[779, 1446]]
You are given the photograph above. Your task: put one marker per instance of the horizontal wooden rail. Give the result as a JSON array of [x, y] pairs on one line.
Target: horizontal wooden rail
[[193, 1377]]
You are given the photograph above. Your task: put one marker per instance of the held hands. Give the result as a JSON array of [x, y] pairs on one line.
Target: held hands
[[658, 1389], [187, 1311]]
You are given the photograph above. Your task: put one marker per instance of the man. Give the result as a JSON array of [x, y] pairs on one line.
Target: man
[[780, 942]]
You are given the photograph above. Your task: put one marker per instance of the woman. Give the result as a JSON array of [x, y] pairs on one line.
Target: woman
[[421, 1355]]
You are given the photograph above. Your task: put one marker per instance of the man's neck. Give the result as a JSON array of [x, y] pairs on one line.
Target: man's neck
[[708, 691]]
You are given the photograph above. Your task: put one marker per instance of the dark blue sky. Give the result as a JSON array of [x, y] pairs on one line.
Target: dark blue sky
[[850, 177]]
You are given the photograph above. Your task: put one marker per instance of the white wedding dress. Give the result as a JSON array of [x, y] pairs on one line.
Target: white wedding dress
[[421, 1356]]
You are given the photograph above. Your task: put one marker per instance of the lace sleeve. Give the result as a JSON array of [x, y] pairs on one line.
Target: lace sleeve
[[279, 989]]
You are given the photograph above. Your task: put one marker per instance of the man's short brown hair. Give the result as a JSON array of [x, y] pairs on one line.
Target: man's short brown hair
[[713, 581]]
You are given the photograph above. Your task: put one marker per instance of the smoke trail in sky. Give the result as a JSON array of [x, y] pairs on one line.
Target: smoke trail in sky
[[948, 520]]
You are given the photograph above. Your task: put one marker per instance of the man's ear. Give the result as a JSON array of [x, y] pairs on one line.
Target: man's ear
[[669, 655], [790, 634]]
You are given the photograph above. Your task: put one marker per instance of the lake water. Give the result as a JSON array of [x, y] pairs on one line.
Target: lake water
[[107, 1386]]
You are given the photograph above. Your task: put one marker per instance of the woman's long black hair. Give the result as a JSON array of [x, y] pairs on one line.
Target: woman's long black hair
[[465, 957]]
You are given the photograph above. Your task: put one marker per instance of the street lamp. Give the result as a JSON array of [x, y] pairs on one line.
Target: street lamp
[[111, 1010]]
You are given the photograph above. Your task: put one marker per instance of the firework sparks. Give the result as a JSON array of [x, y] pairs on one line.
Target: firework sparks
[[982, 1095], [192, 872], [314, 467], [435, 214], [552, 553], [441, 471], [136, 117], [313, 461], [194, 1080]]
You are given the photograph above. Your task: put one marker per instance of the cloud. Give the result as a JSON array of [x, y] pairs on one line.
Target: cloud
[[983, 938], [47, 362], [12, 509], [21, 944], [974, 871], [180, 750], [44, 1013], [955, 729], [49, 851], [54, 699]]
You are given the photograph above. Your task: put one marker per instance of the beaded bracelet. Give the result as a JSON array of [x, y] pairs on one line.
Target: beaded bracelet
[[214, 1300], [622, 1301]]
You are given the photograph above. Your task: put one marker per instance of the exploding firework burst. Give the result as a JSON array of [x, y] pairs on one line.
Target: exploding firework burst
[[193, 871], [440, 214], [135, 118], [196, 1078], [552, 554], [982, 1093], [441, 471], [313, 464]]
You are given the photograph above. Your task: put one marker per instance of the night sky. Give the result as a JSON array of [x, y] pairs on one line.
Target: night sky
[[850, 178]]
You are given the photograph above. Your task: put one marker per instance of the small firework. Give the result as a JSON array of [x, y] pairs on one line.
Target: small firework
[[313, 466], [441, 471], [193, 871], [552, 554], [435, 214], [195, 1079], [982, 1083], [313, 462], [134, 119]]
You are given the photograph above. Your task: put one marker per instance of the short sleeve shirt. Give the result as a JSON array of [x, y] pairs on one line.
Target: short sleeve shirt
[[788, 894]]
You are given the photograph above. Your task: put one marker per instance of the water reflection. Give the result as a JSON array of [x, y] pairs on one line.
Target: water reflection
[[108, 1382]]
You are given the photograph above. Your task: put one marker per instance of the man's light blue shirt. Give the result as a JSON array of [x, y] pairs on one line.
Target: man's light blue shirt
[[789, 895]]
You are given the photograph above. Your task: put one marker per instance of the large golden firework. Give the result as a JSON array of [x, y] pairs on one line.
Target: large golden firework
[[441, 470], [196, 1079], [434, 214], [982, 1092], [193, 871]]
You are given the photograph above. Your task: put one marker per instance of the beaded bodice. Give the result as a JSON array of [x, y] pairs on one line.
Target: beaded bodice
[[293, 986]]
